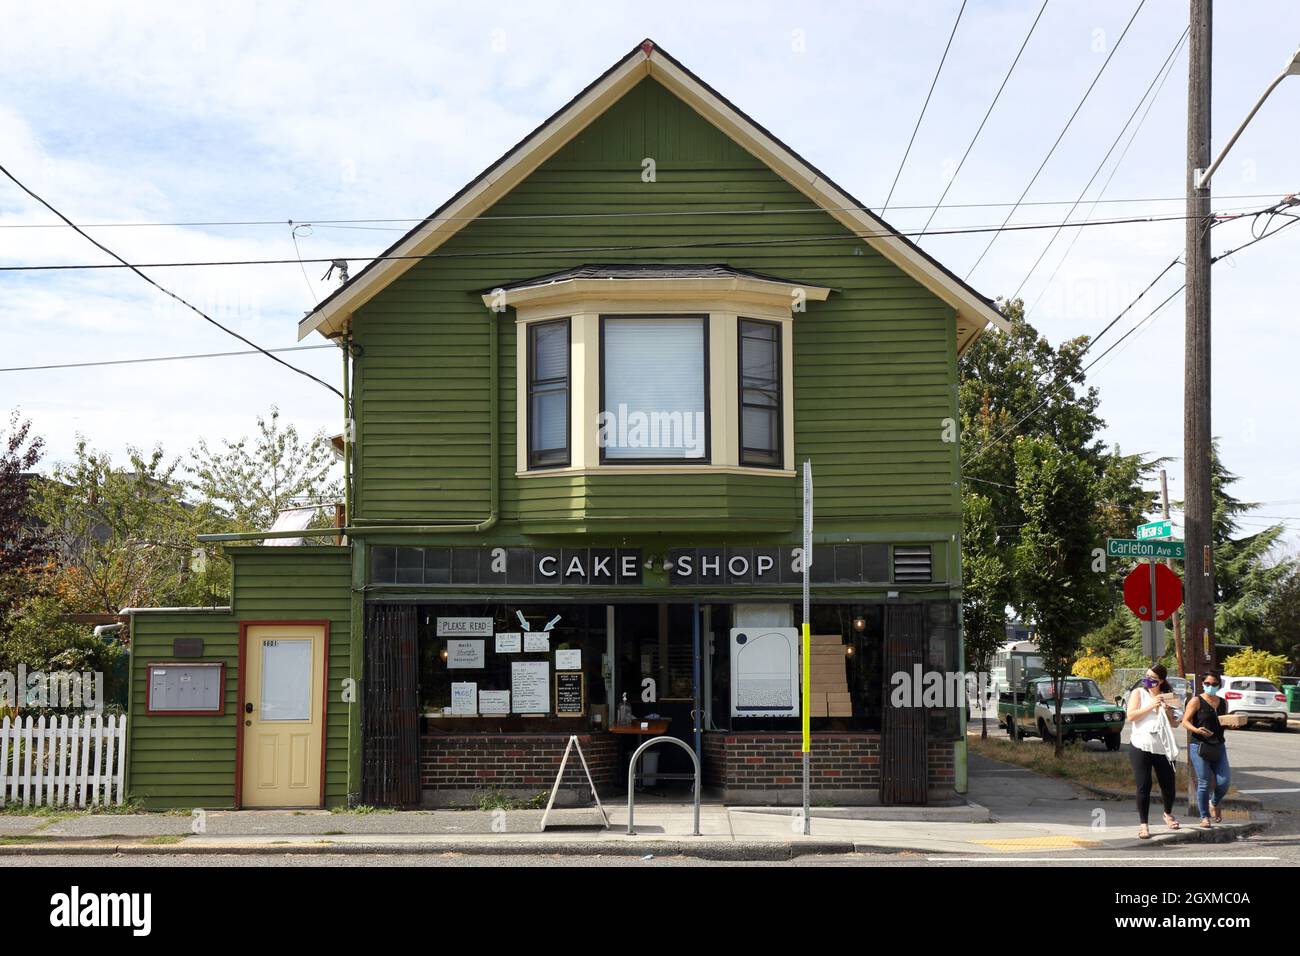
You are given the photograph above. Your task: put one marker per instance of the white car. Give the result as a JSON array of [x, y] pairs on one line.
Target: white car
[[1256, 699]]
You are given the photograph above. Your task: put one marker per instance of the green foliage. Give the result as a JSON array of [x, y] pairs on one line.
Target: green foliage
[[24, 551], [37, 636], [1282, 618], [1253, 663], [126, 536], [253, 480], [987, 584], [1059, 589]]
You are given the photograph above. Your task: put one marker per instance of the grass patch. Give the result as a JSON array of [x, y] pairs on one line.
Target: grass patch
[[491, 798], [163, 839], [363, 809], [1097, 768], [24, 840]]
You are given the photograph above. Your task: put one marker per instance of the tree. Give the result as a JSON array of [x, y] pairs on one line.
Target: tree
[[24, 550], [1058, 587], [986, 586], [1245, 577], [1282, 618], [252, 481], [125, 536]]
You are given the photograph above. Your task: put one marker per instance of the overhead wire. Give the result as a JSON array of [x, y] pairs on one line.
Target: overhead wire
[[987, 113], [185, 302], [924, 106], [1060, 136]]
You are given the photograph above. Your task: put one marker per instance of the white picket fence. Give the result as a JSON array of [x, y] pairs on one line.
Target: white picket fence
[[63, 762]]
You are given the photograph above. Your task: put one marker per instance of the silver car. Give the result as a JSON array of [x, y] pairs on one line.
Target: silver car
[[1257, 699]]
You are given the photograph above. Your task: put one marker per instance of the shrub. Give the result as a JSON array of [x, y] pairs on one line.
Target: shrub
[[1255, 664]]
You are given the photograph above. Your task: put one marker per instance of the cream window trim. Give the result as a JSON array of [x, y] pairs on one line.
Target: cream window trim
[[723, 376]]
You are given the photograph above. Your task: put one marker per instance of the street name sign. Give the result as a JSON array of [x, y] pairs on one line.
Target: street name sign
[[1131, 548], [1155, 529]]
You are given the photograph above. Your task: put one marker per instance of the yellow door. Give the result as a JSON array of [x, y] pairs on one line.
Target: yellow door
[[283, 715]]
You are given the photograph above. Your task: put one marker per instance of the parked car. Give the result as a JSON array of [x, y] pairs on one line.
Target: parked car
[[1085, 713], [1181, 686], [1257, 699]]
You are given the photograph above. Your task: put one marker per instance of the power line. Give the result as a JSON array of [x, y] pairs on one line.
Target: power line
[[163, 358], [1068, 123], [924, 106], [1168, 62], [1055, 391], [124, 264], [1106, 185], [525, 217], [971, 145], [551, 252]]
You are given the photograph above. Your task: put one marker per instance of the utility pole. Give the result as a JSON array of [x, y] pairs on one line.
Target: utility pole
[[1199, 579]]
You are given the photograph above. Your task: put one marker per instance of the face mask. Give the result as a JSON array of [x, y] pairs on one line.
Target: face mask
[[1148, 682], [1211, 689]]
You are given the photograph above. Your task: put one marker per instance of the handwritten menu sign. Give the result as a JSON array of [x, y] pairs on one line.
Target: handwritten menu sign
[[464, 697], [530, 687], [568, 660], [533, 643], [509, 642], [494, 702], [465, 654], [570, 694]]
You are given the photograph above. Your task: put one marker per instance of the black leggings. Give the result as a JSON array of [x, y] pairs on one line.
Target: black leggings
[[1143, 763]]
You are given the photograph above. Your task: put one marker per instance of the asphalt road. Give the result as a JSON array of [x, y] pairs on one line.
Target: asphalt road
[[1265, 763]]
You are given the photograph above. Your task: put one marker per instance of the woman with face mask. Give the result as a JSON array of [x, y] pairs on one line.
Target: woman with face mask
[[1151, 745], [1208, 750]]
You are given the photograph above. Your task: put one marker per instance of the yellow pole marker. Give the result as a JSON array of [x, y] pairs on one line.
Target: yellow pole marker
[[807, 687]]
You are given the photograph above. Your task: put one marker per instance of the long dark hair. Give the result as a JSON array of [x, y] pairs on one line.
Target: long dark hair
[[1163, 673]]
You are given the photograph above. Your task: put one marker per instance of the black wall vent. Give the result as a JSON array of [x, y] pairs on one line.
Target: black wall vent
[[912, 565]]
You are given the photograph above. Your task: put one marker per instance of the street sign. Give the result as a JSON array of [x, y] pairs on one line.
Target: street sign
[[1155, 529], [1131, 548], [1168, 588]]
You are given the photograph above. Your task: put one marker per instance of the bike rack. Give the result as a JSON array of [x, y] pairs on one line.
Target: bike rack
[[631, 778]]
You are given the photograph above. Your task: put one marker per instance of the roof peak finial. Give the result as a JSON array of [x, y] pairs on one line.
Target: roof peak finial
[[647, 46]]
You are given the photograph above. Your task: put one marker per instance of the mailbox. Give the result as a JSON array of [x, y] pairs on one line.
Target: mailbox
[[186, 687]]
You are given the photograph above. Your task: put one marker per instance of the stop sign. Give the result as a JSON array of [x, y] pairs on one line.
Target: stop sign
[[1137, 592]]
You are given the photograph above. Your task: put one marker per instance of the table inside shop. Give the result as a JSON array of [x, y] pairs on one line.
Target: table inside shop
[[646, 728]]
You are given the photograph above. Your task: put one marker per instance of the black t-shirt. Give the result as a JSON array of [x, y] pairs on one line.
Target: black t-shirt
[[1206, 716]]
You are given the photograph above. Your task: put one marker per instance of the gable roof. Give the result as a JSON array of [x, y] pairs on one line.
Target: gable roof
[[334, 313]]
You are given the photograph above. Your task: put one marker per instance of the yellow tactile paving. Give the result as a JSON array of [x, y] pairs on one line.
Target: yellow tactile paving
[[1040, 843]]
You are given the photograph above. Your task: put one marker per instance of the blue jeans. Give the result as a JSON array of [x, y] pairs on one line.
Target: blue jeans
[[1221, 772]]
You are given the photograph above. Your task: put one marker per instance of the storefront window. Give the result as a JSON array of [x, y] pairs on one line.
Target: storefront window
[[482, 669]]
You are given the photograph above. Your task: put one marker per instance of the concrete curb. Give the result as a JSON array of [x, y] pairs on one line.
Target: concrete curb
[[963, 813], [729, 851]]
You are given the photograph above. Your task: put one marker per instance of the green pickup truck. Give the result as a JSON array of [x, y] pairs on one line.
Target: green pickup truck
[[1085, 713]]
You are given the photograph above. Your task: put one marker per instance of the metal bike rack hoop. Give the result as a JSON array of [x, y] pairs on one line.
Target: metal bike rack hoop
[[631, 778]]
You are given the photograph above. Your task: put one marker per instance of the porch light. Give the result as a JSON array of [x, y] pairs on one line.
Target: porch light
[[859, 623]]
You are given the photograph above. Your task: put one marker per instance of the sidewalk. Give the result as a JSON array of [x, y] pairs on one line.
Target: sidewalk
[[1013, 812]]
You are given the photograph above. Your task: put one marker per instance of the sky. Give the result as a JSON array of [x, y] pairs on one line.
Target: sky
[[182, 118]]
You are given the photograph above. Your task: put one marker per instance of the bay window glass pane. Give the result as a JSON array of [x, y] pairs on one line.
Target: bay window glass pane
[[548, 393], [760, 393], [549, 412], [550, 351], [654, 396]]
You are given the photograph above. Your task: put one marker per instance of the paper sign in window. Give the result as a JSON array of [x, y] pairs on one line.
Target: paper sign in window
[[764, 672]]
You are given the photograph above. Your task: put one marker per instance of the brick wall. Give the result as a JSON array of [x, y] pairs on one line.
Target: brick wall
[[758, 763], [453, 767]]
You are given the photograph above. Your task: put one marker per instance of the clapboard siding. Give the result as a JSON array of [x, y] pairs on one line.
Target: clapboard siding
[[189, 761], [874, 365]]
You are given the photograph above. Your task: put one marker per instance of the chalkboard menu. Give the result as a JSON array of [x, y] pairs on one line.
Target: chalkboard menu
[[570, 694]]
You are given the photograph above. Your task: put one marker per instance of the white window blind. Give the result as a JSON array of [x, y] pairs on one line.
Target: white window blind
[[654, 395]]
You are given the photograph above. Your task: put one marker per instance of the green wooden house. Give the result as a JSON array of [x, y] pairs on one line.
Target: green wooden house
[[580, 397]]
